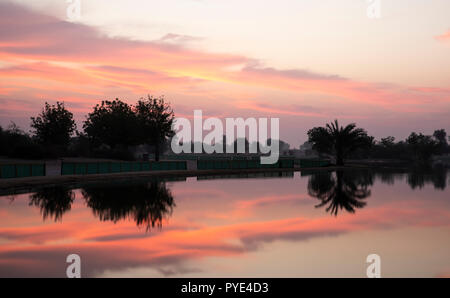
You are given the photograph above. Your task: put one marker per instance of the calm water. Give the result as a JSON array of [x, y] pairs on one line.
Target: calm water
[[318, 224]]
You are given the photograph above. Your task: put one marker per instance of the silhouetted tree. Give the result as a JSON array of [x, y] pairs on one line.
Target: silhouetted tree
[[53, 128], [112, 123], [388, 142], [53, 201], [80, 145], [441, 136], [14, 142], [155, 118], [340, 141], [344, 191], [422, 147]]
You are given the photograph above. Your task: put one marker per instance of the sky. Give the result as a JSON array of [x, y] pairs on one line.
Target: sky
[[305, 62]]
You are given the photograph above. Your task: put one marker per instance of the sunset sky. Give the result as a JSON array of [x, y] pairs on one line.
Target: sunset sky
[[306, 62]]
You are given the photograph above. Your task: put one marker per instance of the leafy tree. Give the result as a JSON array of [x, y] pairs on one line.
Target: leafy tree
[[441, 136], [388, 148], [388, 142], [339, 141], [112, 123], [422, 147], [14, 142], [80, 146], [53, 127], [155, 118]]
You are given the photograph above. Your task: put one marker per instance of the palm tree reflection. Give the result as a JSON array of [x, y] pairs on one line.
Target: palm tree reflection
[[53, 201], [145, 203], [343, 190]]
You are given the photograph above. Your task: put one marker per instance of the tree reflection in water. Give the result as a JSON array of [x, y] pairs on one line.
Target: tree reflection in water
[[419, 177], [145, 203], [340, 190], [148, 203], [53, 201]]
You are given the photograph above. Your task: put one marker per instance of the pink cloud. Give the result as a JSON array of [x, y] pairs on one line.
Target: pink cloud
[[118, 246], [443, 37], [54, 59]]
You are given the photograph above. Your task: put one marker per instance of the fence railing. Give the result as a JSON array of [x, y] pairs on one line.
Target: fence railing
[[21, 170], [87, 168], [90, 168]]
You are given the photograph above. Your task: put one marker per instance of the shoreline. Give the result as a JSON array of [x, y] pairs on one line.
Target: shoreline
[[19, 184], [23, 184]]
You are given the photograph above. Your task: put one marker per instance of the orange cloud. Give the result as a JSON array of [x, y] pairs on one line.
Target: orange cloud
[[109, 246], [443, 37], [49, 59], [140, 66]]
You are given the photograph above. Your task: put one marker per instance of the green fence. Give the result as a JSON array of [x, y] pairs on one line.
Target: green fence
[[242, 164], [21, 171], [68, 168]]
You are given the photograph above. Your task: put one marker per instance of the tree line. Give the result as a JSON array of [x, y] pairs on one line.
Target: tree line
[[108, 131], [112, 127], [345, 142]]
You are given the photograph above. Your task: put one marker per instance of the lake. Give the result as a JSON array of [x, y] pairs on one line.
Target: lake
[[308, 224]]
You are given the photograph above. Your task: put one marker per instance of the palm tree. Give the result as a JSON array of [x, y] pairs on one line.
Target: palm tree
[[338, 140]]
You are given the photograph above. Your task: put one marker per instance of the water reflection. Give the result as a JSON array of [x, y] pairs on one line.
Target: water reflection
[[248, 176], [348, 189], [228, 226], [53, 201], [342, 190], [147, 204], [419, 177]]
